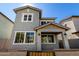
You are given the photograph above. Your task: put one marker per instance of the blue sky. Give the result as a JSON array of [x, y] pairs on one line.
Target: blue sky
[[59, 10]]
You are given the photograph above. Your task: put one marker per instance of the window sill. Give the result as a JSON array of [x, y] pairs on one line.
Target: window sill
[[23, 43], [48, 43], [27, 21]]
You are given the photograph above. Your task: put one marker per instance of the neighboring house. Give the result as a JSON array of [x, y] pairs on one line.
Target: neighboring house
[[6, 26], [73, 33], [34, 33]]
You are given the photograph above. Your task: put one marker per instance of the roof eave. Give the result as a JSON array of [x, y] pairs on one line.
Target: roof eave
[[20, 8], [6, 17], [68, 18], [66, 28], [53, 18]]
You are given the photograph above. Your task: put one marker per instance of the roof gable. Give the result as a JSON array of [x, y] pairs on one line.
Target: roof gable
[[25, 7], [58, 25]]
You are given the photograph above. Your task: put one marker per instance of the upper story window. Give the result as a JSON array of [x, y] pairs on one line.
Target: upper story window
[[48, 22], [27, 17], [44, 22], [65, 25]]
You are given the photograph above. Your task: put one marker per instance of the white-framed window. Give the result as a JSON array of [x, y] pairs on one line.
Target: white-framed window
[[19, 38], [27, 17], [24, 37], [48, 38], [29, 38], [44, 22]]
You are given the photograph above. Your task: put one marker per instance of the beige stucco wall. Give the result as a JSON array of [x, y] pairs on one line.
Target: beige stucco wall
[[6, 27], [76, 23], [70, 24]]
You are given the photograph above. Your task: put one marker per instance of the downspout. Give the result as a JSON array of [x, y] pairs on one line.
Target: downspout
[[36, 40]]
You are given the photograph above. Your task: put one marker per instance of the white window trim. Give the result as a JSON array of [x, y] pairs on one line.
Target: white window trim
[[27, 10], [27, 17], [50, 43], [24, 38], [44, 21]]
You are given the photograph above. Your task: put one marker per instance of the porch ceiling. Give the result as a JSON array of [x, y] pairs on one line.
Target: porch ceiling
[[51, 32]]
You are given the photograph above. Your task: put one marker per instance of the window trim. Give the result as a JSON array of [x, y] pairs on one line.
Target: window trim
[[47, 39], [24, 38], [27, 17], [44, 21]]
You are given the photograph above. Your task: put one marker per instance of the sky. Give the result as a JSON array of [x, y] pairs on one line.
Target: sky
[[59, 10]]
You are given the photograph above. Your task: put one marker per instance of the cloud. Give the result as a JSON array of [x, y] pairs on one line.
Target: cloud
[[24, 4]]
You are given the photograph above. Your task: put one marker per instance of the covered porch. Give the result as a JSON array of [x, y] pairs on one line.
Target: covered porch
[[47, 37]]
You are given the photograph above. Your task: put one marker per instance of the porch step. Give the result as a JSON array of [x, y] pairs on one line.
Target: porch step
[[41, 53]]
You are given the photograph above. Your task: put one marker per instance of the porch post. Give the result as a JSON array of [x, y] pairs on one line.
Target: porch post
[[65, 41], [38, 40]]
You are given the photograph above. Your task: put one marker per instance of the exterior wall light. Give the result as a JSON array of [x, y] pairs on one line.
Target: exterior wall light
[[65, 34], [39, 34]]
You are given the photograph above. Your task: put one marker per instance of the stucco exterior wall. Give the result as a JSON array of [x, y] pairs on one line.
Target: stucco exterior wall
[[76, 23], [70, 24], [6, 27]]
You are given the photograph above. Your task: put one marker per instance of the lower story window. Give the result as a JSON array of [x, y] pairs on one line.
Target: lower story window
[[19, 37], [24, 37], [47, 38], [44, 38], [51, 38], [29, 37]]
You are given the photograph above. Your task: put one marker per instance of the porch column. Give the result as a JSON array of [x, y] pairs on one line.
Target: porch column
[[65, 41], [38, 40]]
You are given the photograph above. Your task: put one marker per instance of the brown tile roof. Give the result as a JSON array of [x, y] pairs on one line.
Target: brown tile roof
[[6, 17]]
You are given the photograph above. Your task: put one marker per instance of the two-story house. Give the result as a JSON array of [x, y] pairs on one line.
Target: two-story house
[[73, 33], [6, 27], [34, 33]]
